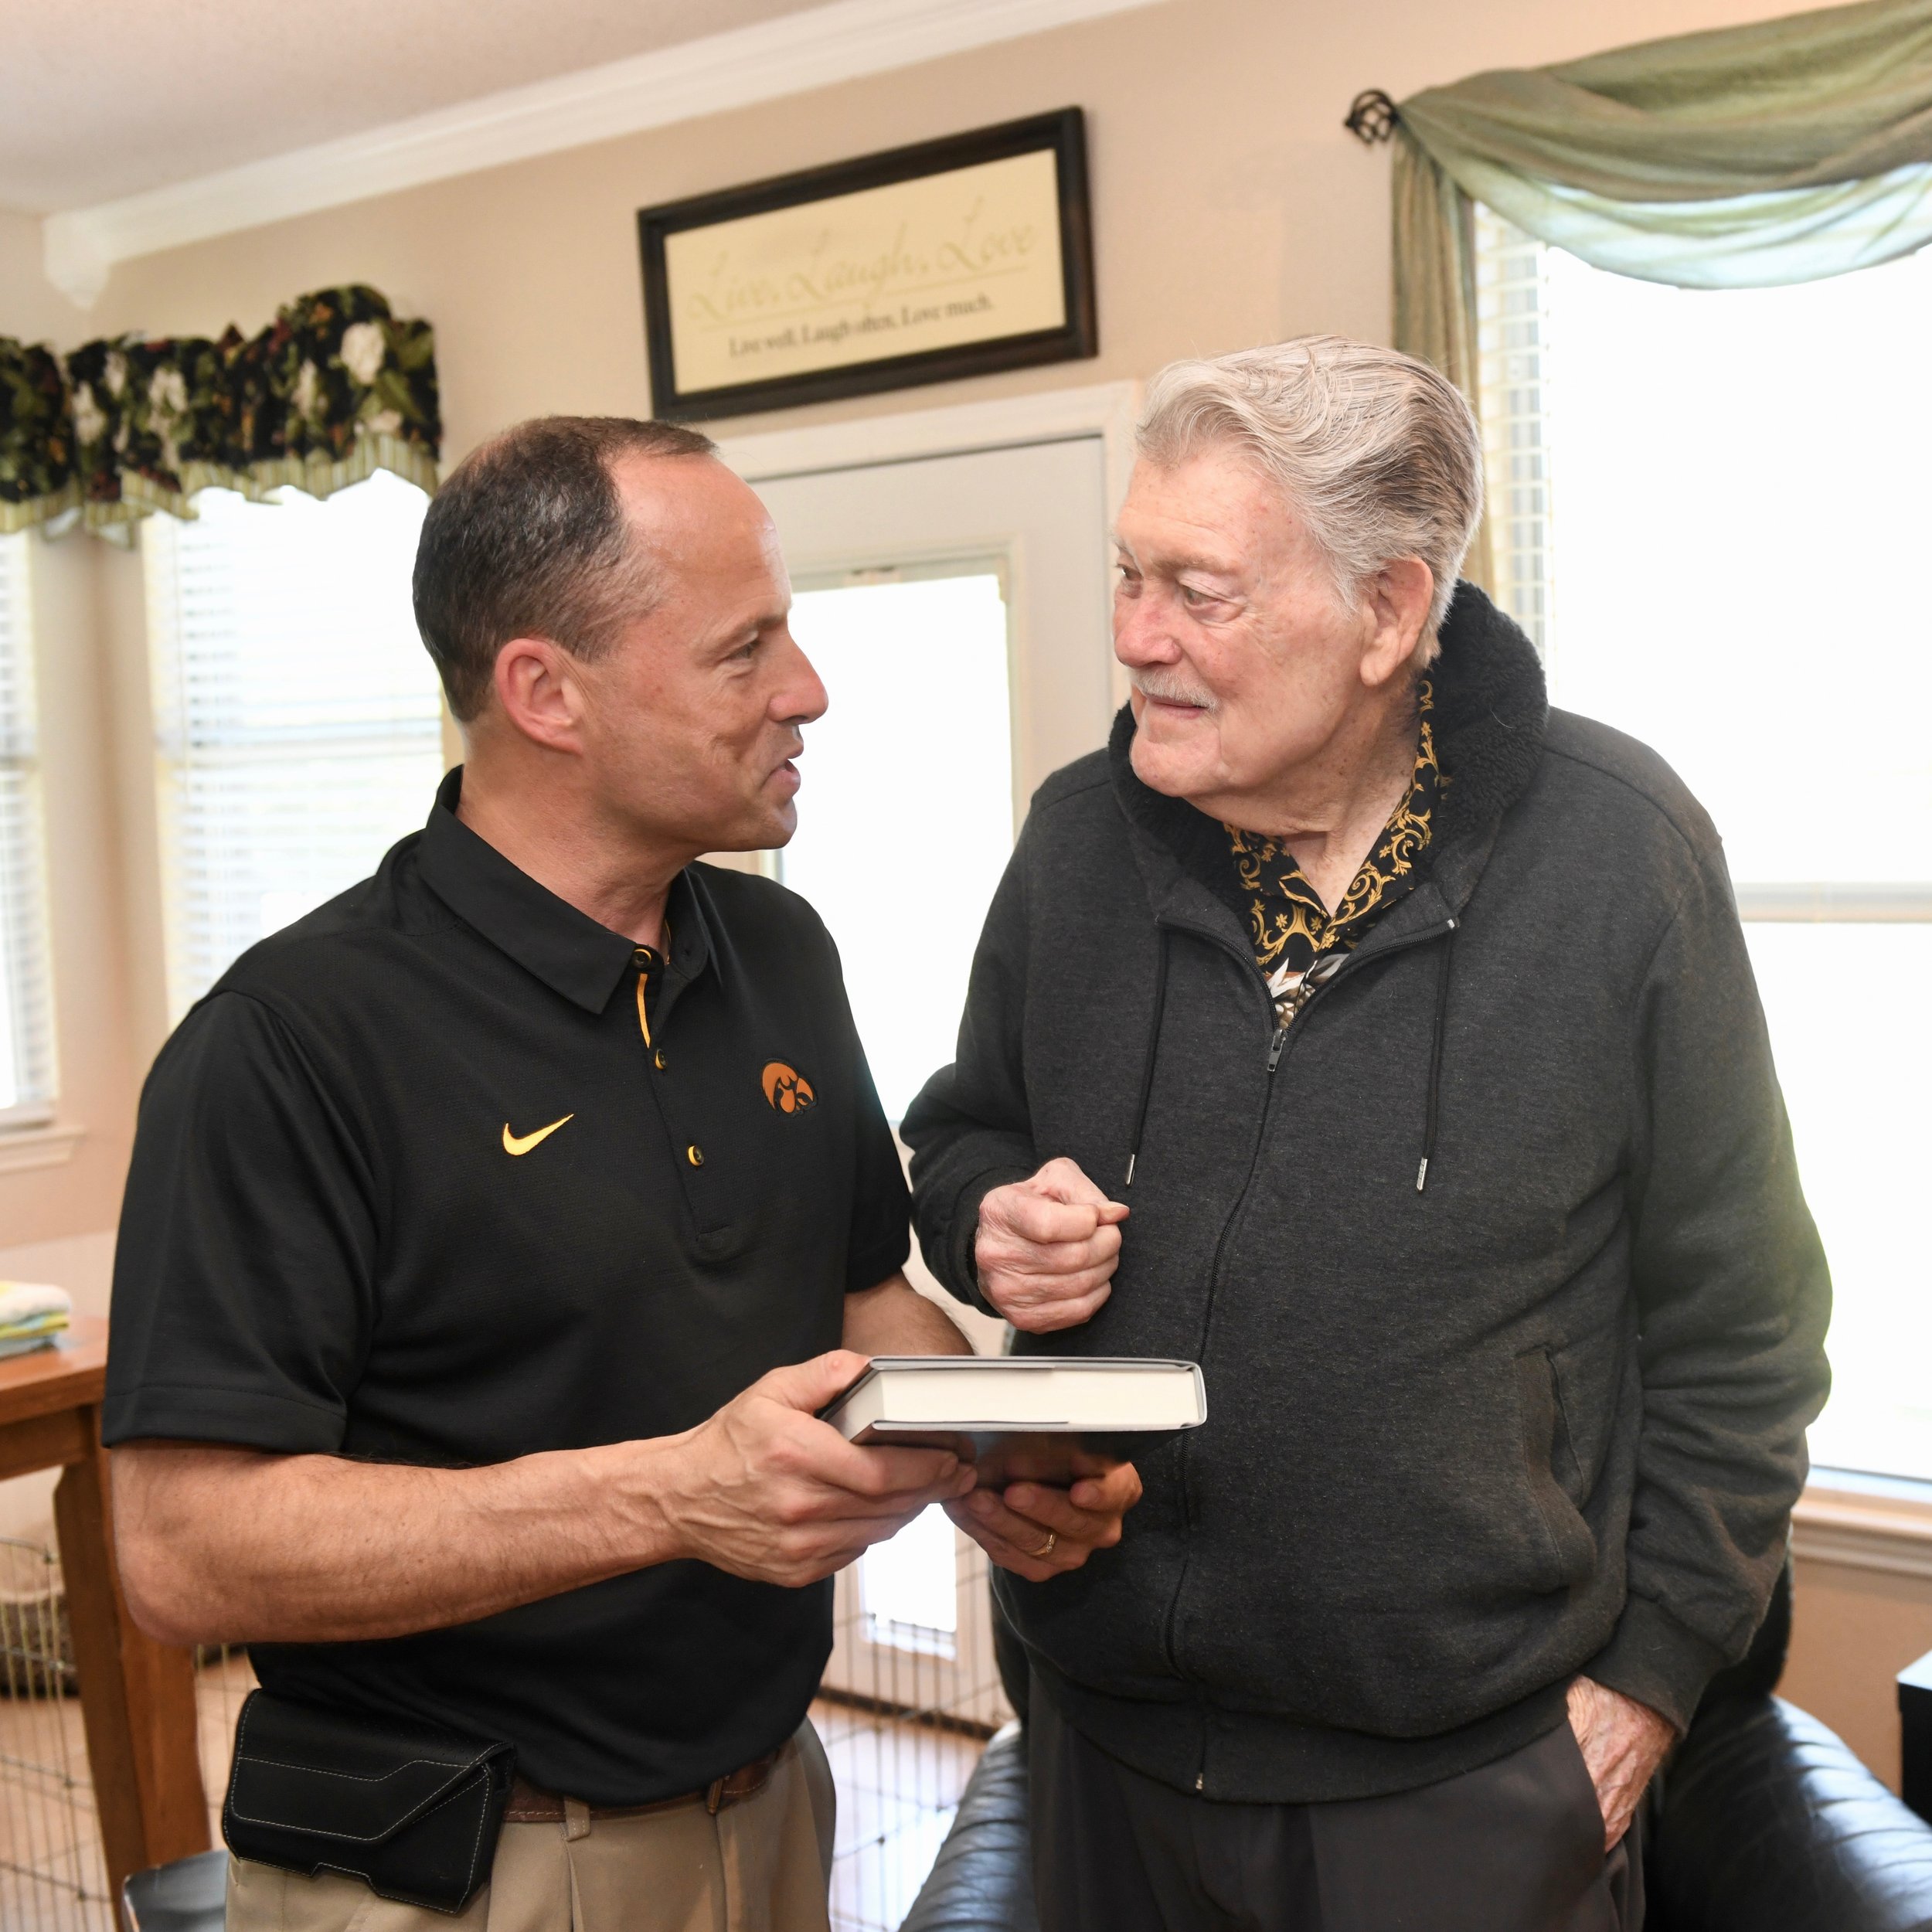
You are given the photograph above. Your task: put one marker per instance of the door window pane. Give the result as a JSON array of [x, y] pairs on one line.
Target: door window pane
[[909, 1586], [906, 815]]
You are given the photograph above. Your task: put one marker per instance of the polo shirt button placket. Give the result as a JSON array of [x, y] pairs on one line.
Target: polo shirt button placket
[[648, 963]]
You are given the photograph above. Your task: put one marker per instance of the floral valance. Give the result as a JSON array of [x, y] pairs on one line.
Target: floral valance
[[334, 390]]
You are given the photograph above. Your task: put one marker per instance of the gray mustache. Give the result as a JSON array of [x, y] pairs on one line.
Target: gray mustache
[[1151, 684]]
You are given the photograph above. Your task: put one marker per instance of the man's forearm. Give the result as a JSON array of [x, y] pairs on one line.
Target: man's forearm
[[231, 1545], [895, 1318]]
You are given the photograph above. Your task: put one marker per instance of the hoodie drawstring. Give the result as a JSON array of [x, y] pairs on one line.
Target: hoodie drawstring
[[1435, 1051], [1147, 1061], [1435, 1057]]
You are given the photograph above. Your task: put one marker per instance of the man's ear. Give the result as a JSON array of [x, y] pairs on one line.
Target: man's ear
[[536, 689], [1398, 606]]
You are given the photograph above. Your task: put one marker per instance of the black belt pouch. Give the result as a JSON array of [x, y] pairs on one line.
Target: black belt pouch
[[412, 1810]]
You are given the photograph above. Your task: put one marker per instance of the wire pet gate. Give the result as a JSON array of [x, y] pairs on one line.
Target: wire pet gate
[[910, 1698], [53, 1878]]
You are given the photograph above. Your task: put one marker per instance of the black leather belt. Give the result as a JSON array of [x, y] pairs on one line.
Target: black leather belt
[[528, 1805]]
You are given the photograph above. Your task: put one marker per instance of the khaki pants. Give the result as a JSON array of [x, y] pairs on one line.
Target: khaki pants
[[762, 1864]]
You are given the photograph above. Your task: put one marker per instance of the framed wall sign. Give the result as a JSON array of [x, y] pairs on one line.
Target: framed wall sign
[[952, 258]]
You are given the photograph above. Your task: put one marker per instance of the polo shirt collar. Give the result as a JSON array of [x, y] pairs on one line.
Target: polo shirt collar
[[548, 936]]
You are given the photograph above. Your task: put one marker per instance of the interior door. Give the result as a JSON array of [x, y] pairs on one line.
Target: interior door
[[956, 608]]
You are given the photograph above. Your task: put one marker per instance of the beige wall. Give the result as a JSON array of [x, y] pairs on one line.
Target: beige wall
[[1853, 1630], [32, 310], [1230, 208], [1230, 205]]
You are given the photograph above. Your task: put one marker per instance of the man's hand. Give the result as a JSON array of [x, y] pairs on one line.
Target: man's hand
[[221, 1544], [1623, 1743], [1047, 1248], [1013, 1527], [766, 1490]]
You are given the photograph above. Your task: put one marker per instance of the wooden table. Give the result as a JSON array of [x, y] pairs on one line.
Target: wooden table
[[137, 1696]]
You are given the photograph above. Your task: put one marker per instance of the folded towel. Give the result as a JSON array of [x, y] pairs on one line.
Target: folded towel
[[32, 1315]]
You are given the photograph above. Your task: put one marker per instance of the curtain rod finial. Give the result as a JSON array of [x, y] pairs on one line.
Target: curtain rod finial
[[1371, 116]]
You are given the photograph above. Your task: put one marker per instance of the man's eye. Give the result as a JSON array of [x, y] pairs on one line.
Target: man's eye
[[1193, 597]]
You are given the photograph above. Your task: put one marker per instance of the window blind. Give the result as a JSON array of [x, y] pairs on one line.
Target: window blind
[[1512, 315], [27, 1069], [297, 717]]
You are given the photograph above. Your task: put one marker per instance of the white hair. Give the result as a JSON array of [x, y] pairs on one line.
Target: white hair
[[1378, 452]]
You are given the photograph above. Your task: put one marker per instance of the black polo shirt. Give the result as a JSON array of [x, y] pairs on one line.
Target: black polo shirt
[[423, 1181]]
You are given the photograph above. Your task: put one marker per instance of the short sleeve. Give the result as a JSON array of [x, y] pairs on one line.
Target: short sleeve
[[244, 1296]]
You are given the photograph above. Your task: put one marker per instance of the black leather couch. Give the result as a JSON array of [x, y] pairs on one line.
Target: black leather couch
[[1762, 1822]]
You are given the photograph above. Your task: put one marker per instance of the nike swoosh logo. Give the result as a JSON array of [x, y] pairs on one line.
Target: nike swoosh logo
[[522, 1143]]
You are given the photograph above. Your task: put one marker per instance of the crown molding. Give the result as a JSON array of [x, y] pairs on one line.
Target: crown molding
[[793, 54]]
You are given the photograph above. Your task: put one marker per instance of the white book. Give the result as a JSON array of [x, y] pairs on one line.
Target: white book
[[1046, 1418]]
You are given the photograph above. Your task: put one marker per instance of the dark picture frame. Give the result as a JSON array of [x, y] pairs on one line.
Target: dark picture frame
[[1064, 133]]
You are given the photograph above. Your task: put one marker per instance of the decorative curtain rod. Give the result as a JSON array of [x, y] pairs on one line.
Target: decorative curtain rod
[[1371, 116]]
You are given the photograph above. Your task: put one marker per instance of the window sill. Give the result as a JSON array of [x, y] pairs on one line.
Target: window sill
[[1858, 1524], [25, 1148]]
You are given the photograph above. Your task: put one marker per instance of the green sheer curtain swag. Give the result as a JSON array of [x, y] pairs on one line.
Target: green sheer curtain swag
[[335, 389], [1782, 151]]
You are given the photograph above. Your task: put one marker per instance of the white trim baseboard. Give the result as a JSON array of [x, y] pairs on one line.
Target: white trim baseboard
[[793, 54], [26, 1147], [1855, 1531]]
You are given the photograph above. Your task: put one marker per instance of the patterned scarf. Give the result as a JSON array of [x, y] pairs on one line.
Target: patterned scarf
[[1289, 926]]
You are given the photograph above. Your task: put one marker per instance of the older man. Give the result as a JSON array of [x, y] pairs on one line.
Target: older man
[[475, 1290], [1414, 1022]]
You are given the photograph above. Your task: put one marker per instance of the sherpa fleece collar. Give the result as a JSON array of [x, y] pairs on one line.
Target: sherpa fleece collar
[[1491, 707]]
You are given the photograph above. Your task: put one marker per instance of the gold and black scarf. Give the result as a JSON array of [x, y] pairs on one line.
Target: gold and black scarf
[[1289, 926]]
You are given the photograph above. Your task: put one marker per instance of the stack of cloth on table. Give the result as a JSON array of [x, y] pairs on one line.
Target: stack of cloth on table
[[32, 1316]]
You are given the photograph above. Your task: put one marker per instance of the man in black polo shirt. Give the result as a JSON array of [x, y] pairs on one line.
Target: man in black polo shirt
[[494, 1232]]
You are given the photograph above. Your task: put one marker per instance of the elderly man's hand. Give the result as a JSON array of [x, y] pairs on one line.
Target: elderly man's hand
[[1047, 1248], [1038, 1531], [1623, 1743]]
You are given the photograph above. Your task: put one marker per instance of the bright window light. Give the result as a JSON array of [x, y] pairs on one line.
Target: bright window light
[[1740, 488], [297, 717], [27, 1073], [1707, 505], [909, 1586], [906, 815]]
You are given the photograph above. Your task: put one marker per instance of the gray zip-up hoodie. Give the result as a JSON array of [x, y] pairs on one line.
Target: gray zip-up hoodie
[[1496, 1263]]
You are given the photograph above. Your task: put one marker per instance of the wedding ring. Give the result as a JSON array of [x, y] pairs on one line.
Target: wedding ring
[[1048, 1547]]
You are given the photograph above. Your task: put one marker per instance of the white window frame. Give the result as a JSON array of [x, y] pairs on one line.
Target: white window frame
[[27, 962], [1888, 1527]]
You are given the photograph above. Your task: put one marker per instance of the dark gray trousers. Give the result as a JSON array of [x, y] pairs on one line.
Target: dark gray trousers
[[1514, 1846]]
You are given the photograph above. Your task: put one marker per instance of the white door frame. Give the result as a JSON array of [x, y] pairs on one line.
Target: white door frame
[[1107, 410], [965, 1683]]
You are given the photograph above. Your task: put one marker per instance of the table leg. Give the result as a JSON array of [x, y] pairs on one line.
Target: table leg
[[137, 1696]]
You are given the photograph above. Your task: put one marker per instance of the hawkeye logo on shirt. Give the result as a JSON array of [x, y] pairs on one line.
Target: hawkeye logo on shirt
[[522, 1143], [786, 1088]]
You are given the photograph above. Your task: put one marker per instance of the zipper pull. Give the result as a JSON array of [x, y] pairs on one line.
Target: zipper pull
[[1275, 1045]]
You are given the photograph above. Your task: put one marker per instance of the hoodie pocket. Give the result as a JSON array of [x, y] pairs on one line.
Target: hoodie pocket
[[1554, 1474]]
